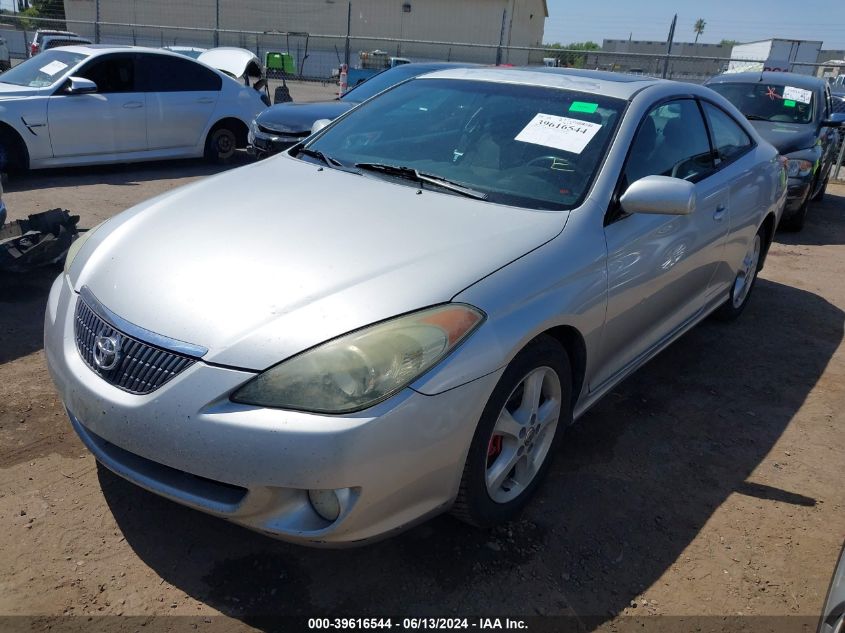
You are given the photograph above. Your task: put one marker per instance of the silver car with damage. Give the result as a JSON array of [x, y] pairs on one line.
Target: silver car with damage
[[462, 266]]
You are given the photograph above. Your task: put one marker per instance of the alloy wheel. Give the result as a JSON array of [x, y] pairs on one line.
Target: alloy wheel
[[523, 434], [745, 277]]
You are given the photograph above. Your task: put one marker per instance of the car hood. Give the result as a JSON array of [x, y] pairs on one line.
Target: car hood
[[231, 60], [256, 273], [786, 137], [299, 117]]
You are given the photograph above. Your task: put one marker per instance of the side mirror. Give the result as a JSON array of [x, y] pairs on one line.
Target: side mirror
[[80, 85], [659, 194], [835, 121], [319, 124]]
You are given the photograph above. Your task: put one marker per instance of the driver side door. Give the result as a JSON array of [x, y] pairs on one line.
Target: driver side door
[[109, 121], [660, 266]]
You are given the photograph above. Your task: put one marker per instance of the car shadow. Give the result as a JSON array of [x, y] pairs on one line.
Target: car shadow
[[23, 299], [823, 226], [636, 480], [122, 174]]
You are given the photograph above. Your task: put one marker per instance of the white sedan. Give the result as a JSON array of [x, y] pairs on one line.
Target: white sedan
[[84, 105]]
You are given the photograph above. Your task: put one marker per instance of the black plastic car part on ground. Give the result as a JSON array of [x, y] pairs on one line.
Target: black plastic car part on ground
[[795, 114], [40, 240], [284, 124]]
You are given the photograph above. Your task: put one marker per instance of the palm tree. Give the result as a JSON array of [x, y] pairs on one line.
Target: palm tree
[[698, 27]]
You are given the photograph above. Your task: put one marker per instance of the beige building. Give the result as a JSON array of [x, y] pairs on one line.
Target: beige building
[[375, 24]]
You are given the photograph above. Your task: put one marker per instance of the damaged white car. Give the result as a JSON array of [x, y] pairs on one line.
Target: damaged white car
[[84, 105]]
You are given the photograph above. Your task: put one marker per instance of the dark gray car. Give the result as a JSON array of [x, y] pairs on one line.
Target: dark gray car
[[794, 113], [282, 125]]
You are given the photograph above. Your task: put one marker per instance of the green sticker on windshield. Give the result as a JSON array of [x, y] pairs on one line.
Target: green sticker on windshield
[[583, 106], [788, 103]]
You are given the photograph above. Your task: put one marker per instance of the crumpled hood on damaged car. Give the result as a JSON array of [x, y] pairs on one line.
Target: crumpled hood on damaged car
[[262, 262]]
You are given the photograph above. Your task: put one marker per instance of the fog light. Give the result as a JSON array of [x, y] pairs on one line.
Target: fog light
[[325, 503]]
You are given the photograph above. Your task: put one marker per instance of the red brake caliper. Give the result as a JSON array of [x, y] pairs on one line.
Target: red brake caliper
[[494, 449]]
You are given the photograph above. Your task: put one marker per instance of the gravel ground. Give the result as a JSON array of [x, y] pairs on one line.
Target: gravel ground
[[710, 483]]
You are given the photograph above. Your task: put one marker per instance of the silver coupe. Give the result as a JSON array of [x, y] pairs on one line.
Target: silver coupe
[[458, 269]]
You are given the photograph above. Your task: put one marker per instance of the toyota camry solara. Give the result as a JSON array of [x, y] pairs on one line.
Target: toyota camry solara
[[452, 273]]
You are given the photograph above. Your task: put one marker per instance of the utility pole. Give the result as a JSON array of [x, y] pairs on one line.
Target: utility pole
[[348, 32], [216, 23], [669, 45], [96, 21]]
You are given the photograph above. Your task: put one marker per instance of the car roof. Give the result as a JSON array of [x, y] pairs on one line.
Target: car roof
[[102, 49], [597, 82], [69, 37], [806, 82]]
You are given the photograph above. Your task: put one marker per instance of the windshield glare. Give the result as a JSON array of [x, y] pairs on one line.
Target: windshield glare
[[42, 70], [527, 146], [769, 102]]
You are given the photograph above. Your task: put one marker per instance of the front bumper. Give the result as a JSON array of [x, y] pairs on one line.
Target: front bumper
[[399, 462], [261, 144], [796, 193]]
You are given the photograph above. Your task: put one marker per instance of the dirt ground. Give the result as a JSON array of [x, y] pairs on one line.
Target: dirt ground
[[708, 484]]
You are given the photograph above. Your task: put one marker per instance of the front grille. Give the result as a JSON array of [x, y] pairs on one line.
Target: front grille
[[141, 367], [266, 130]]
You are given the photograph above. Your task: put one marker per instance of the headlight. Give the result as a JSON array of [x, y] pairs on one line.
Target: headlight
[[77, 245], [362, 368], [799, 168]]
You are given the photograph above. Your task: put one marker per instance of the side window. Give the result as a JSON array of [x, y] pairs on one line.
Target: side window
[[671, 141], [165, 73], [729, 139], [111, 73]]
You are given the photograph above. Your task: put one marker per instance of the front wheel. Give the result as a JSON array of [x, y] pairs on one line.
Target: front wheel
[[744, 281], [220, 145], [517, 435]]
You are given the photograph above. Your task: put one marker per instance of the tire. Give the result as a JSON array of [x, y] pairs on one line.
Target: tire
[[12, 158], [221, 144], [523, 431], [745, 279]]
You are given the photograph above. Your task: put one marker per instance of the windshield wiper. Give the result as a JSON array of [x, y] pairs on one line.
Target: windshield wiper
[[328, 160], [418, 176], [756, 117]]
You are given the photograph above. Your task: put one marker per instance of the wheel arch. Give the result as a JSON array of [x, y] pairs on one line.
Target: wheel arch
[[20, 148], [576, 348], [768, 227], [240, 129]]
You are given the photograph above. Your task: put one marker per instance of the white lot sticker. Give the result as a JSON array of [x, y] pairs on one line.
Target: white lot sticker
[[560, 132], [53, 67], [797, 94]]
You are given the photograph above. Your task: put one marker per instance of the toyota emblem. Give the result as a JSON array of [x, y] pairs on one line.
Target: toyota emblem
[[107, 352]]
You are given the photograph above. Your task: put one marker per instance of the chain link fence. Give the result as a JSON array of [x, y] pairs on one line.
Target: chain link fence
[[317, 36]]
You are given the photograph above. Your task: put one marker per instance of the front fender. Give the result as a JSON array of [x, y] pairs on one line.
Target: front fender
[[27, 116], [561, 283]]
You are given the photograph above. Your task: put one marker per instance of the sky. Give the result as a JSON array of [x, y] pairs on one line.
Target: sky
[[744, 20]]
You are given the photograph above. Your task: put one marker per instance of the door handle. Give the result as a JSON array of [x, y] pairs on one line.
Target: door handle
[[131, 105], [205, 100], [719, 215]]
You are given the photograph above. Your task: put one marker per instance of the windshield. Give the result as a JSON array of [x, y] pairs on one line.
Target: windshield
[[769, 102], [382, 81], [42, 70], [527, 146]]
